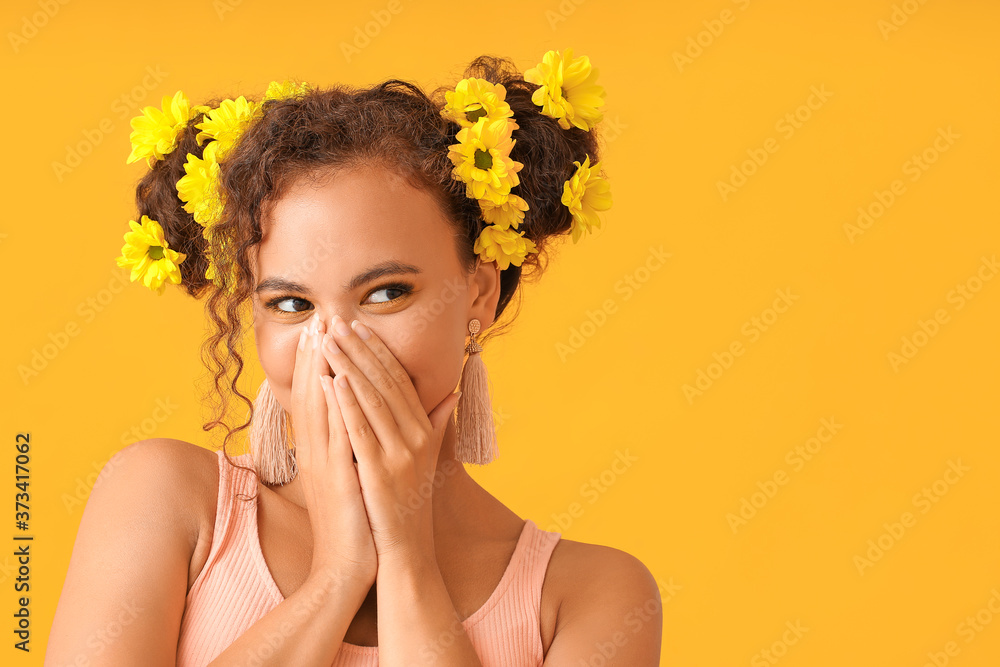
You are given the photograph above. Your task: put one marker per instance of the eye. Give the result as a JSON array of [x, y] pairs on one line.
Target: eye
[[380, 296], [276, 304], [394, 291]]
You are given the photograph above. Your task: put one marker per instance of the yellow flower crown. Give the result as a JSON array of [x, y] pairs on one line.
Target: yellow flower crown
[[481, 159]]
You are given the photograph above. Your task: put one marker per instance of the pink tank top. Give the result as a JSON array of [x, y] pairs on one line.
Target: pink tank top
[[235, 589]]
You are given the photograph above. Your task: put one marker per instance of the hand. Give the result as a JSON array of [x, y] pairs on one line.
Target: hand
[[396, 443], [342, 537]]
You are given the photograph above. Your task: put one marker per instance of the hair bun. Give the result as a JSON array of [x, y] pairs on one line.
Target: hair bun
[[546, 146]]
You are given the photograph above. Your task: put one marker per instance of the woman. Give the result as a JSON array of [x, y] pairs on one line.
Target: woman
[[349, 225]]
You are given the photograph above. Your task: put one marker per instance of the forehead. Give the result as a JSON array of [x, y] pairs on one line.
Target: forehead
[[349, 220]]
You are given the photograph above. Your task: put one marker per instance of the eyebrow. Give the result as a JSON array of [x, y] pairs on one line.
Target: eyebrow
[[389, 267]]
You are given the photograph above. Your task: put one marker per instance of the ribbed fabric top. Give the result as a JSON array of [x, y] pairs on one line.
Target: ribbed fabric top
[[235, 589]]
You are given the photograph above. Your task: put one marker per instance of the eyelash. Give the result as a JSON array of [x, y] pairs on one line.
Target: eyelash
[[405, 288]]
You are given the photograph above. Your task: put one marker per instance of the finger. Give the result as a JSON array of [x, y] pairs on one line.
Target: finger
[[376, 384], [404, 385], [374, 406], [302, 355], [440, 415], [317, 429], [309, 420], [340, 442], [300, 383], [360, 432]]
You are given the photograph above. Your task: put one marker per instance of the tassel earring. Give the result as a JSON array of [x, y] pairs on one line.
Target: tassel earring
[[273, 460], [476, 436]]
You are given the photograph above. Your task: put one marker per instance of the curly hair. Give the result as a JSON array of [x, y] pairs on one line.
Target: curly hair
[[391, 125]]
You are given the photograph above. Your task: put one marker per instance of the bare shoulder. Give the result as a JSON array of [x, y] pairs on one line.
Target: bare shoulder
[[184, 465], [188, 476], [131, 559], [580, 570], [185, 475], [603, 592], [171, 456]]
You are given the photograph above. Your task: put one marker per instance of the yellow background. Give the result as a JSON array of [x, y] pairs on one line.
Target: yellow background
[[672, 133]]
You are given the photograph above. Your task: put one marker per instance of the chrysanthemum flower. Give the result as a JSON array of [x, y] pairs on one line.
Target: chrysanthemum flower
[[584, 194], [569, 92], [149, 255], [279, 90], [504, 246], [199, 187], [475, 98], [508, 213], [482, 159], [226, 123], [155, 131]]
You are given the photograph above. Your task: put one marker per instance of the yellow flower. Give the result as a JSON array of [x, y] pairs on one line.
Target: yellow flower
[[226, 123], [280, 90], [155, 131], [149, 255], [569, 91], [199, 187], [509, 213], [584, 194], [475, 98], [504, 246], [482, 159]]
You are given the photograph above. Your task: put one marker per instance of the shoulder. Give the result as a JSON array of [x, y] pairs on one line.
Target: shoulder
[[177, 461], [180, 474], [184, 477], [604, 592], [132, 552], [586, 572], [162, 450]]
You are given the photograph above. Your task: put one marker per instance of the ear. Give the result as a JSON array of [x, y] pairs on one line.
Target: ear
[[485, 292]]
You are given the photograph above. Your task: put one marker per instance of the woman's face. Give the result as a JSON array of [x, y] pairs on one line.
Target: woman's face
[[366, 245]]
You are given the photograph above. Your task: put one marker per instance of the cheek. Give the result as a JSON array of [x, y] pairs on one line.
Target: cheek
[[276, 348]]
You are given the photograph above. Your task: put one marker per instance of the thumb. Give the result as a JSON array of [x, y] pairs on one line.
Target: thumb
[[440, 415]]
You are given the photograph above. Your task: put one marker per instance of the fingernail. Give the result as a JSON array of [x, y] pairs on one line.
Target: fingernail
[[314, 323], [361, 330], [341, 326], [302, 339], [314, 340], [331, 344]]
